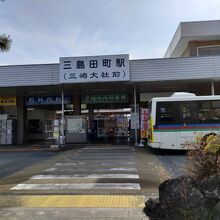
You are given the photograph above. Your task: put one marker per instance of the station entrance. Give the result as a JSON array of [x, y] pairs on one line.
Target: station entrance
[[101, 119], [109, 126]]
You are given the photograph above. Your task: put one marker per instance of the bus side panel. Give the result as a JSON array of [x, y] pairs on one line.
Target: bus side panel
[[168, 140], [190, 136], [154, 142]]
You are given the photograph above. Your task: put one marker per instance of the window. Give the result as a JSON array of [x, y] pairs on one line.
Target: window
[[216, 111], [166, 112], [188, 112], [209, 111], [208, 51], [204, 111], [185, 111]]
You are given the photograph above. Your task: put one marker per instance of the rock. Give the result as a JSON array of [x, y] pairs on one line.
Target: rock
[[180, 193], [216, 212], [179, 198], [210, 187], [152, 208]]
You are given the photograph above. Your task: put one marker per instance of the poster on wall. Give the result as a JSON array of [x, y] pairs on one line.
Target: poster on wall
[[75, 125], [144, 122]]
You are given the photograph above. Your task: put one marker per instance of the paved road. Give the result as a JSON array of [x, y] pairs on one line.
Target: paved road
[[11, 162], [173, 161], [93, 169]]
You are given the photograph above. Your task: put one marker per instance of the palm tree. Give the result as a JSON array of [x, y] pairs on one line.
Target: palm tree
[[5, 43]]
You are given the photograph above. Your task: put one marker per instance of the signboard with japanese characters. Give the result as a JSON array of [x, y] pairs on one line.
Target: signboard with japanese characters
[[46, 100], [110, 68], [109, 98], [7, 101]]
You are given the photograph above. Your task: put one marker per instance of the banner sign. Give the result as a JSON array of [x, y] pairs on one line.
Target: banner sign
[[110, 68], [144, 122], [46, 100], [7, 101], [112, 98]]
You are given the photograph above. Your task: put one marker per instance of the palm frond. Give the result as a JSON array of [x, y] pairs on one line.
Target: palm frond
[[5, 43]]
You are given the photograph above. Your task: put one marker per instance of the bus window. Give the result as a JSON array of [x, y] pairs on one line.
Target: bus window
[[188, 112], [166, 113], [185, 111], [204, 112], [216, 111], [216, 115]]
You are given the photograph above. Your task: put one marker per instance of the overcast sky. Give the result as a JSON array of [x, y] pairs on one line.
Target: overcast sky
[[44, 30]]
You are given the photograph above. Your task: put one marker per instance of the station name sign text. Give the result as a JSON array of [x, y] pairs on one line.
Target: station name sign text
[[94, 69]]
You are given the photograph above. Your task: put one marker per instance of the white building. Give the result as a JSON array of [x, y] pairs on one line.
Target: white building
[[190, 64]]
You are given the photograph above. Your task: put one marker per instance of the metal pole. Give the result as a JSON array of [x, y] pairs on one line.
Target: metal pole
[[62, 128], [135, 112], [213, 88]]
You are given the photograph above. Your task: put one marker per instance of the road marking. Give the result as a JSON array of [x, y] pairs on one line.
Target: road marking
[[109, 148], [101, 158], [72, 201], [68, 186], [91, 176], [97, 169], [94, 163]]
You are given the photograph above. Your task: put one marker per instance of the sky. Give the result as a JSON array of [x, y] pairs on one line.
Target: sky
[[44, 30]]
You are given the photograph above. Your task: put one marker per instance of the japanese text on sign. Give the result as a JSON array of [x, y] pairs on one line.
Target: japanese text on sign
[[111, 98], [7, 101], [46, 100], [94, 69]]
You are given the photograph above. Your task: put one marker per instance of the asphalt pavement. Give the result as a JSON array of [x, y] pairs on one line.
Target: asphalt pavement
[[11, 162], [103, 182], [173, 160]]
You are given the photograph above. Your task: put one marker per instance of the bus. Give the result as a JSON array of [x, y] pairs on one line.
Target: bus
[[178, 119]]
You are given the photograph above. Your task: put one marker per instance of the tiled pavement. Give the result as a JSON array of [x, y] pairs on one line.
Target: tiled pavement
[[71, 214]]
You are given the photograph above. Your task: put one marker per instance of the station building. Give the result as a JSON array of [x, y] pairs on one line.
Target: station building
[[105, 90]]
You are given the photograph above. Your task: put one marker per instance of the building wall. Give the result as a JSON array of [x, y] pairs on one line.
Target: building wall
[[193, 45], [185, 53], [191, 49], [189, 68], [29, 75]]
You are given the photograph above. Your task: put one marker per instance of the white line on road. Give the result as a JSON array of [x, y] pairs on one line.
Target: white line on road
[[63, 186], [91, 176], [90, 170], [95, 163]]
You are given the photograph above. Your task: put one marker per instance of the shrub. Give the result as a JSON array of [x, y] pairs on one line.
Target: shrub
[[203, 157]]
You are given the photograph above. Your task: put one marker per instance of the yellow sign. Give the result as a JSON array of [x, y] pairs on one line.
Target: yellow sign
[[6, 101]]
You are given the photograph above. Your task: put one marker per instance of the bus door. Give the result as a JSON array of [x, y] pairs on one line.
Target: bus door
[[186, 118], [166, 125]]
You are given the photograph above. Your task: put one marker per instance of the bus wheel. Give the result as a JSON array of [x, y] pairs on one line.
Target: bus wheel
[[205, 137]]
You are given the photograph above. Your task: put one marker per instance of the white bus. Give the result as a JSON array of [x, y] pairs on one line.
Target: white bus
[[178, 119]]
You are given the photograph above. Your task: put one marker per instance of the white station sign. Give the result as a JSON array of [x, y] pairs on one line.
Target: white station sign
[[110, 68]]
